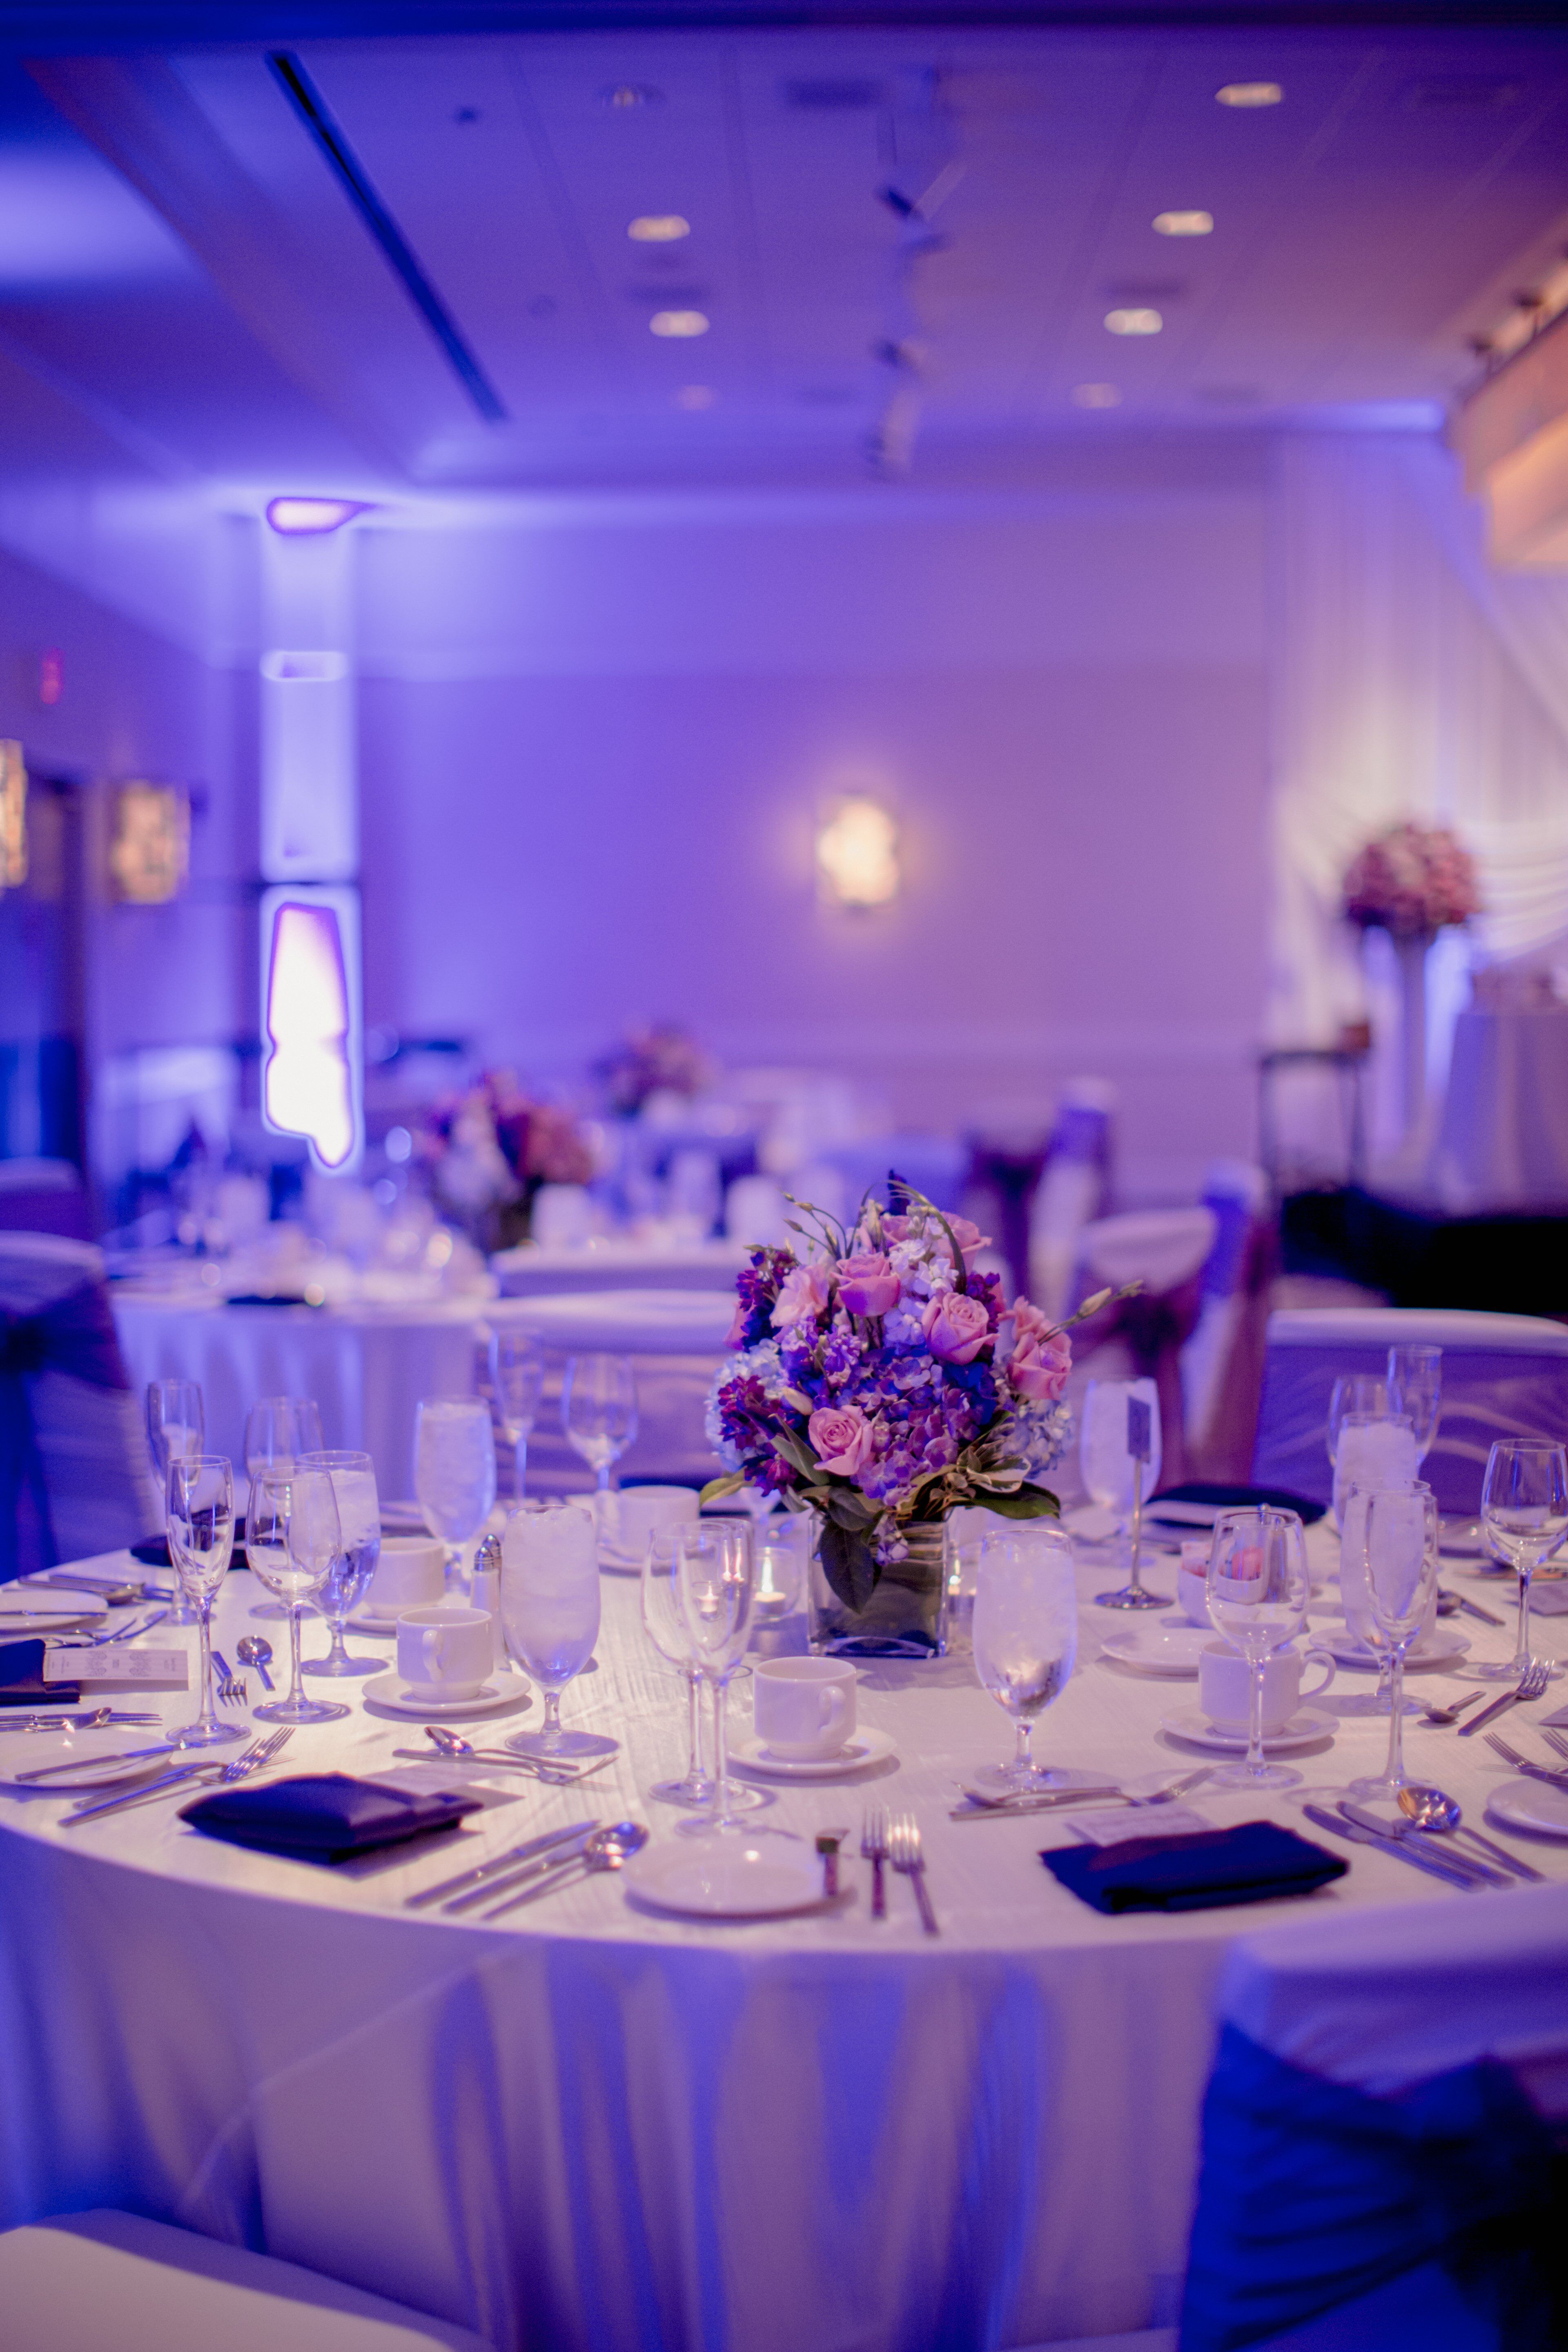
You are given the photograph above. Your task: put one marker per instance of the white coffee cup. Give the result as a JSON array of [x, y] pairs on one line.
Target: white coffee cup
[[1192, 1583], [643, 1511], [410, 1571], [1225, 1686], [803, 1707], [444, 1653]]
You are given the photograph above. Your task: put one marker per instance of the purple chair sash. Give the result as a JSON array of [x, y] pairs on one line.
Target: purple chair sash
[[75, 1335]]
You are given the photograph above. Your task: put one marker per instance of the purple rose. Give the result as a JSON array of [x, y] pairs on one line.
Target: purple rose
[[866, 1284]]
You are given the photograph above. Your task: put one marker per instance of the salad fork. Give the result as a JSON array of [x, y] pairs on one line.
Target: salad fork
[[907, 1857], [1522, 1763], [1552, 1738], [252, 1760], [874, 1850]]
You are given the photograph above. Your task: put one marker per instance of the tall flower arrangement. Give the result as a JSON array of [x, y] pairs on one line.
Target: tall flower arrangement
[[881, 1382], [488, 1152], [658, 1059], [1411, 881]]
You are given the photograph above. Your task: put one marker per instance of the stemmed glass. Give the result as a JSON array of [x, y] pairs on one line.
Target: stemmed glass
[[201, 1541], [1118, 1477], [517, 1378], [1364, 1393], [176, 1430], [1373, 1449], [664, 1623], [550, 1609], [1399, 1548], [1026, 1640], [278, 1431], [1359, 1615], [1257, 1591], [716, 1571], [454, 1470], [1524, 1510], [355, 1564], [599, 1417], [1416, 1389], [291, 1538]]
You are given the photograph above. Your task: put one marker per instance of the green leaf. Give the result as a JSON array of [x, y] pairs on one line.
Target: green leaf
[[1024, 1503], [717, 1488], [794, 1450], [849, 1565], [850, 1508]]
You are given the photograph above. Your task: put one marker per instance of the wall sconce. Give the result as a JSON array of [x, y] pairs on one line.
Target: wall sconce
[[857, 853], [306, 518], [13, 816], [311, 983], [149, 854]]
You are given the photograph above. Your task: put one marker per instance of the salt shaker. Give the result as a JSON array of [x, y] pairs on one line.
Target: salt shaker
[[486, 1594]]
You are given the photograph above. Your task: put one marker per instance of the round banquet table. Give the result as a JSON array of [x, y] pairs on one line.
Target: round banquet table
[[1504, 1140], [588, 2126], [531, 1271]]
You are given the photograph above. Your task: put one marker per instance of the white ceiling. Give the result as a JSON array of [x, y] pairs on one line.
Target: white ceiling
[[188, 265]]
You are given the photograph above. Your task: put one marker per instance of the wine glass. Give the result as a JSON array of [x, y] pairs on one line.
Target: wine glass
[[550, 1609], [1416, 1389], [1399, 1555], [1256, 1588], [716, 1571], [664, 1623], [454, 1470], [355, 1564], [1373, 1449], [201, 1541], [599, 1416], [1358, 1608], [176, 1430], [517, 1379], [291, 1538], [1026, 1640], [1119, 1454], [1524, 1510], [278, 1431], [1357, 1392]]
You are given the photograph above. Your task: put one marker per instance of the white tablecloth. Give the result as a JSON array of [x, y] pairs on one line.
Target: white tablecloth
[[591, 2127], [531, 1272], [367, 1368], [1504, 1142]]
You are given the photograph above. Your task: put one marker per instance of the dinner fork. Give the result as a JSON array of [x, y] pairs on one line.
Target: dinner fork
[[231, 1688], [904, 1849], [121, 1634], [1552, 1738], [1533, 1684], [241, 1768], [1522, 1763], [874, 1850]]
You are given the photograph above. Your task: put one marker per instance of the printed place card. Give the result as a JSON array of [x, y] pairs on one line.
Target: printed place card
[[1119, 1828], [117, 1662]]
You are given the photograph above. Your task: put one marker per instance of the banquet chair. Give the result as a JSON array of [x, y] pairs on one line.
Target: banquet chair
[[1074, 1189], [1384, 2135], [1166, 1250], [109, 2281], [1503, 1376], [74, 1479]]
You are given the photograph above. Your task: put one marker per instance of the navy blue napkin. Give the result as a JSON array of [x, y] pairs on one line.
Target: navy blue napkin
[[325, 1816], [22, 1680], [151, 1553], [1251, 1864]]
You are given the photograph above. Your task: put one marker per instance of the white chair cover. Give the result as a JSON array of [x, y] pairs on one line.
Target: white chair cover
[[676, 1340], [1159, 1248], [1503, 1376], [533, 1272]]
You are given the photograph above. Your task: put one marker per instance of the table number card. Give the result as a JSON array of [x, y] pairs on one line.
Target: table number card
[[116, 1662]]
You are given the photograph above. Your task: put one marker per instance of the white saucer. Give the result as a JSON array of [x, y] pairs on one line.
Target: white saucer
[[866, 1747], [501, 1691], [1306, 1726], [106, 1770], [1530, 1805], [1439, 1648], [1161, 1649], [613, 1561], [23, 1614], [728, 1876], [363, 1622]]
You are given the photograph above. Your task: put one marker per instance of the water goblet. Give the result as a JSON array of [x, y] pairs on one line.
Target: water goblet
[[599, 1419], [517, 1379], [715, 1568], [176, 1431], [1119, 1454], [453, 1471], [1399, 1554], [550, 1613], [355, 1564], [1025, 1641], [1257, 1588], [290, 1540], [201, 1541], [278, 1431], [1524, 1510], [664, 1623], [1416, 1389]]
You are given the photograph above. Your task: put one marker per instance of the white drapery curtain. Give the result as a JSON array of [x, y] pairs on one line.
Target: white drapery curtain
[[1412, 680]]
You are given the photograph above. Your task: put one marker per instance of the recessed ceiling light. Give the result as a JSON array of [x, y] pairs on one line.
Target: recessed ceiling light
[[679, 323], [657, 228], [695, 395], [1134, 322], [1250, 93], [1184, 224], [1095, 395]]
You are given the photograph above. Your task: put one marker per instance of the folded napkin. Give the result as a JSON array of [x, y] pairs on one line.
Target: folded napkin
[[22, 1680], [152, 1553], [1249, 1864], [325, 1816]]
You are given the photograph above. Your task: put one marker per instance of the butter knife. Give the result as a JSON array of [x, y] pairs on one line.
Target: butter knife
[[1455, 1857], [483, 1870], [1049, 1801], [560, 1857], [1355, 1836]]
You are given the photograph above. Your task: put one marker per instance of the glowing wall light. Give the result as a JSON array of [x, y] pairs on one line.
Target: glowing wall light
[[13, 816], [302, 518], [310, 985], [149, 853], [857, 853]]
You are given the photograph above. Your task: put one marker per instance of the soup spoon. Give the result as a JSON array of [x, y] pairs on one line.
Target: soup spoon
[[1433, 1809], [608, 1849], [257, 1653]]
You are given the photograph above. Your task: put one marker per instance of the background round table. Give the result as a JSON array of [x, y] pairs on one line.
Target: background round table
[[1504, 1141]]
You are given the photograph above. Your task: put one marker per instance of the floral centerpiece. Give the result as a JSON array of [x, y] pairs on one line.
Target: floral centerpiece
[[488, 1152], [658, 1058], [1411, 881], [881, 1382]]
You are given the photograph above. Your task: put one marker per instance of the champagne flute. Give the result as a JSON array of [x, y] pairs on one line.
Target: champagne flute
[[1257, 1588], [716, 1571], [354, 1565], [550, 1611], [1358, 1608], [453, 1471], [278, 1431], [1373, 1449], [1416, 1389], [291, 1545], [1524, 1510], [599, 1418], [1358, 1392], [176, 1431], [517, 1379], [1025, 1641], [1399, 1550], [664, 1623], [1118, 1454], [201, 1541]]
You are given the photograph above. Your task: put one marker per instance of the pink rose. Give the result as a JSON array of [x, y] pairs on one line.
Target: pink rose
[[1037, 1357], [970, 1239], [802, 1295], [956, 1325], [867, 1284], [841, 1438]]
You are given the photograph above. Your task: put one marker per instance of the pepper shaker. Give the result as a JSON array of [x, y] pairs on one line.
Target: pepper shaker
[[485, 1593]]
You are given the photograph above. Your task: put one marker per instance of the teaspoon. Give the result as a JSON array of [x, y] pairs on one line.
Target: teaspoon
[[451, 1744], [1433, 1809], [257, 1652]]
